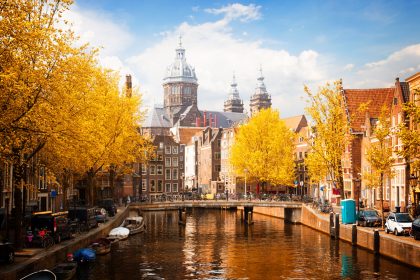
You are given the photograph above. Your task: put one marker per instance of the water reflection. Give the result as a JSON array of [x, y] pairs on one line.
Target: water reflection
[[216, 244]]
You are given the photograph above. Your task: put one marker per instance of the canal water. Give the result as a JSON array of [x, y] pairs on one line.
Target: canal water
[[216, 244]]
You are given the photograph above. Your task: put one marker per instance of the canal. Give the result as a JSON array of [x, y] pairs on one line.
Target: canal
[[216, 244]]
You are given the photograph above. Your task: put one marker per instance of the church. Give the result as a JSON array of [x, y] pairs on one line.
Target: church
[[180, 104]]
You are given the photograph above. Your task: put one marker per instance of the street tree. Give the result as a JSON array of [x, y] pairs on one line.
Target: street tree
[[263, 149], [326, 108], [379, 154]]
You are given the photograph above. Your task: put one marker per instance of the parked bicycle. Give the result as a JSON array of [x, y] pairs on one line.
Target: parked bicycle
[[39, 238]]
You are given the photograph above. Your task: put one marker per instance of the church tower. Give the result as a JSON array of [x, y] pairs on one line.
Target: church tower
[[179, 85], [234, 102], [260, 99]]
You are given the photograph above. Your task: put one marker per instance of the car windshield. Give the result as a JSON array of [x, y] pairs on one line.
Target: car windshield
[[370, 214], [403, 218]]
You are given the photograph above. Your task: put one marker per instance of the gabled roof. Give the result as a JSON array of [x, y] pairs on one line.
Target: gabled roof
[[226, 119], [296, 122], [375, 98], [405, 88], [157, 117], [186, 133]]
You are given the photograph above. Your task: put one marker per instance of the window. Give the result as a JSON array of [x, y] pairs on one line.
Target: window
[[160, 186], [175, 174], [160, 145], [159, 170], [175, 150], [167, 174], [152, 185], [152, 169], [175, 162], [217, 155], [175, 187], [181, 158], [144, 185], [168, 187], [167, 161], [159, 156], [167, 150], [217, 168], [300, 139], [143, 169]]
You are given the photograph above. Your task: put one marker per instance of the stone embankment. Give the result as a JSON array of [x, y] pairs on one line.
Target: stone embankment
[[403, 249], [48, 258]]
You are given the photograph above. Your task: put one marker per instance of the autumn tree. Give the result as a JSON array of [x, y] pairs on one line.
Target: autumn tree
[[410, 136], [379, 154], [263, 149], [326, 109]]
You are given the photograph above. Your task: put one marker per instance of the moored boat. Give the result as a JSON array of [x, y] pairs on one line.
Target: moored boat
[[85, 255], [119, 233], [40, 275], [134, 224], [101, 246], [65, 271]]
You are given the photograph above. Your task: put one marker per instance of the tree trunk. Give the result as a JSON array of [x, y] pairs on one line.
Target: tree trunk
[[18, 211], [91, 186], [381, 194]]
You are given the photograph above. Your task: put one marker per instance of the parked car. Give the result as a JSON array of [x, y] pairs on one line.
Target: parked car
[[100, 215], [368, 218], [85, 216], [415, 229], [109, 206], [7, 252], [398, 223], [56, 223]]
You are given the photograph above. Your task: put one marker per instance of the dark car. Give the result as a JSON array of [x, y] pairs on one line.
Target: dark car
[[85, 216], [415, 229], [56, 223], [109, 206], [7, 252], [369, 218]]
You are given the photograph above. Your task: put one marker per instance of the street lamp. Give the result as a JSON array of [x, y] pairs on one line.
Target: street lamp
[[246, 171]]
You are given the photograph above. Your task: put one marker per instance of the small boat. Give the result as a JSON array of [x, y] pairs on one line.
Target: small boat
[[102, 246], [65, 271], [85, 255], [40, 275], [134, 224], [119, 233]]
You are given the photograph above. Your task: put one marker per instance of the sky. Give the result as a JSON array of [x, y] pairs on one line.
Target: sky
[[367, 44]]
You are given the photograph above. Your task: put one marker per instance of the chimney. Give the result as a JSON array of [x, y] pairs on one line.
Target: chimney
[[128, 86], [197, 121], [210, 120], [204, 119], [397, 79]]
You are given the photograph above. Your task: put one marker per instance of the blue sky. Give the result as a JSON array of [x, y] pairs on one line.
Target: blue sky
[[366, 43]]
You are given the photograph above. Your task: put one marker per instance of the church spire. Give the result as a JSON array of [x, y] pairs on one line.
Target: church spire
[[233, 102]]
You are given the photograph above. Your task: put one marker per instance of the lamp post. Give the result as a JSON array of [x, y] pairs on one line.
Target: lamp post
[[246, 171], [413, 184]]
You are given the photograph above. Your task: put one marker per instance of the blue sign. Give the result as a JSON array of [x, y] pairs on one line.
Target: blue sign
[[53, 193]]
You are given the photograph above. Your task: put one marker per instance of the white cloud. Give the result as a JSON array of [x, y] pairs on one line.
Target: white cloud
[[402, 63], [238, 11], [348, 67]]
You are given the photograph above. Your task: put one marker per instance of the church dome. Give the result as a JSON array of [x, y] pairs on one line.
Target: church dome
[[180, 70]]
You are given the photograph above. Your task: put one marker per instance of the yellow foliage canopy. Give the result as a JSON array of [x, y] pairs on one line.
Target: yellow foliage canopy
[[264, 147]]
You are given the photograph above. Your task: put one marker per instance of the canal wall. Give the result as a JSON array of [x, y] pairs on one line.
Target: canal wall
[[48, 258], [405, 250]]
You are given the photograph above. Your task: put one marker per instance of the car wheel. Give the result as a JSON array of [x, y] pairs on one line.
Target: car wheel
[[416, 237], [386, 229], [11, 257], [396, 232]]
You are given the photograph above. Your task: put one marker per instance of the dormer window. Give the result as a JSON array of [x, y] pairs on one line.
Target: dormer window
[[395, 101]]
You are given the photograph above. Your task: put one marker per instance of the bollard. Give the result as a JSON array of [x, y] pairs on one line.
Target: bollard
[[184, 217], [376, 244], [354, 235], [337, 226], [332, 225]]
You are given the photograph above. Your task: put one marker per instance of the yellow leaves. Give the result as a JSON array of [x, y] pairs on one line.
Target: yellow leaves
[[326, 109], [264, 147]]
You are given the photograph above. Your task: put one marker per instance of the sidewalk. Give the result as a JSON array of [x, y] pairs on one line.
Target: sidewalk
[[34, 259]]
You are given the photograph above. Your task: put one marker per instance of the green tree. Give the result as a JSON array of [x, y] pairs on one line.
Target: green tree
[[264, 148], [326, 109]]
